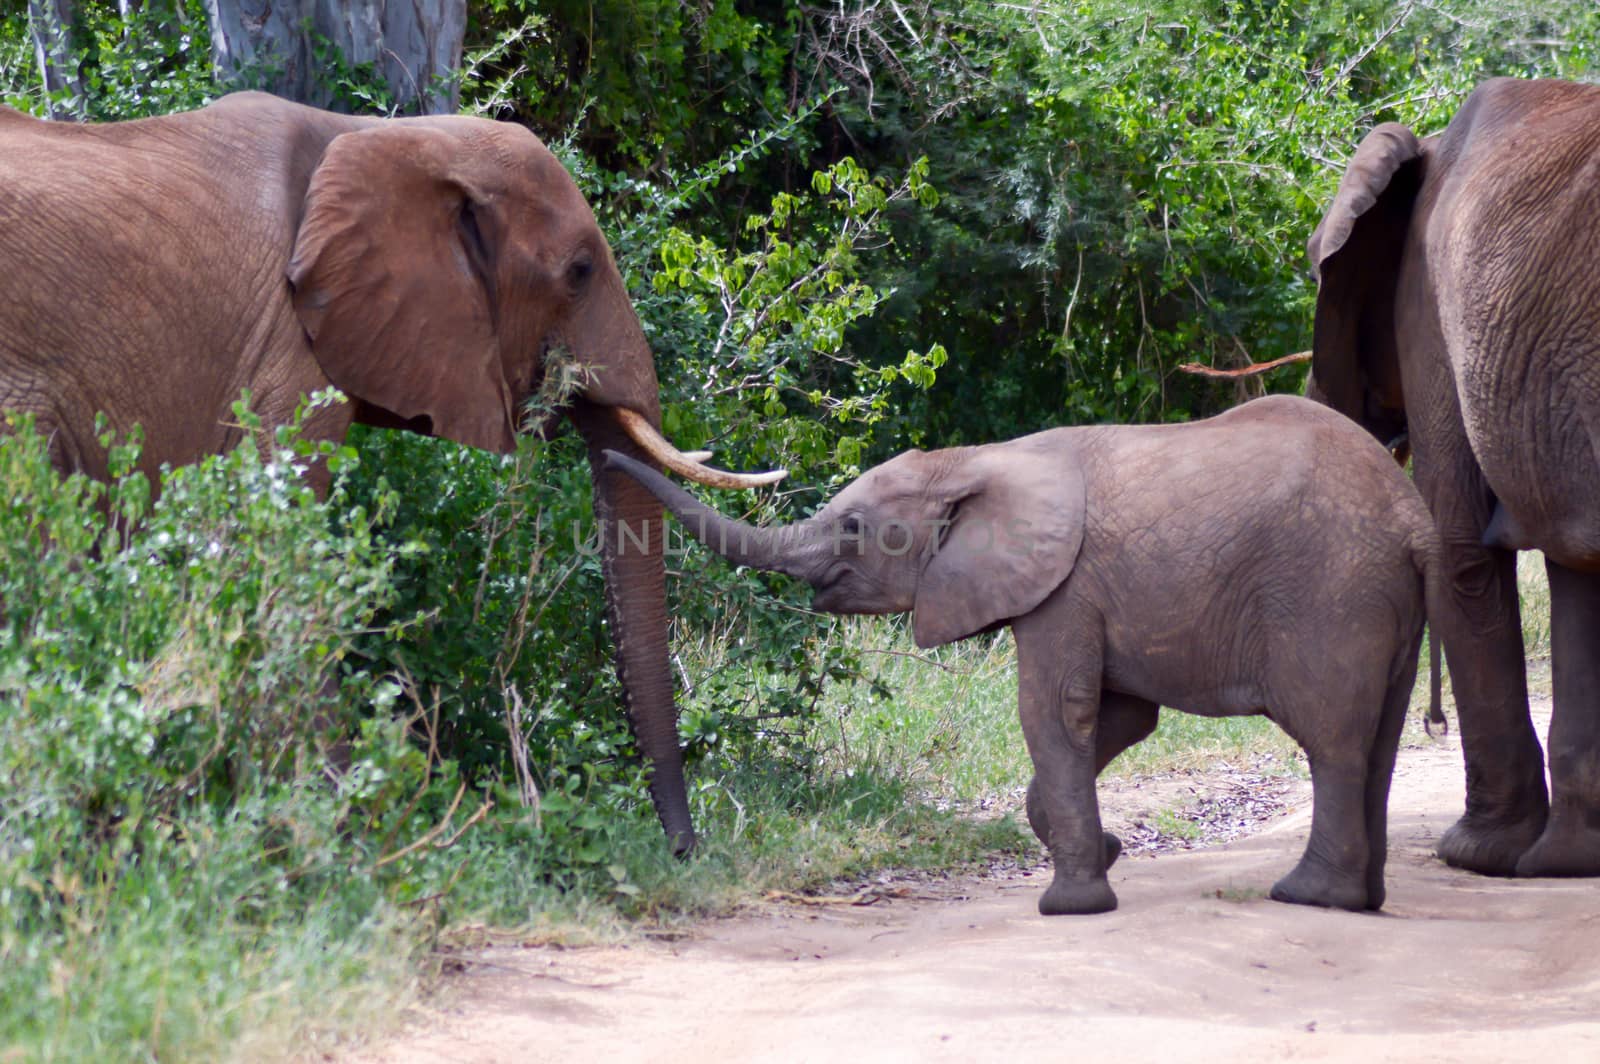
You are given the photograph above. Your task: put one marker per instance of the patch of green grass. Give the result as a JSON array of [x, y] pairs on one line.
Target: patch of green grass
[[1187, 741], [1168, 822], [1533, 591], [950, 724], [196, 952], [761, 828], [1240, 895]]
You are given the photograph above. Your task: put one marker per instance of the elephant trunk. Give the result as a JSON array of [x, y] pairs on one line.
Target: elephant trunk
[[632, 534], [771, 549]]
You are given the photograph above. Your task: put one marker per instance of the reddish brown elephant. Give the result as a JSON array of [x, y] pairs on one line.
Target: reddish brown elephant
[[1460, 305], [427, 267]]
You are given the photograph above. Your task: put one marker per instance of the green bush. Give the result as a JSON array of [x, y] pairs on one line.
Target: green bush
[[172, 675]]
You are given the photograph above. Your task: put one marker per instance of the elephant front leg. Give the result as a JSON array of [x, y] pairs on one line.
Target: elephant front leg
[[1123, 721], [1059, 705], [1570, 845]]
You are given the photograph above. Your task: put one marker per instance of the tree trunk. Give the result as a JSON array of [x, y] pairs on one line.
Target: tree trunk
[[272, 44], [50, 26]]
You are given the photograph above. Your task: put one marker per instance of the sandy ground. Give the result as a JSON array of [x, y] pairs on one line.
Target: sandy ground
[[1196, 965]]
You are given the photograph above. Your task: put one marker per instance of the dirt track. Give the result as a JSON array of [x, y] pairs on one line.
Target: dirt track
[[1195, 965]]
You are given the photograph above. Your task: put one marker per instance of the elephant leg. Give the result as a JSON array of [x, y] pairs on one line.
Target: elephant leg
[[1059, 705], [1041, 826], [1570, 845], [1124, 720], [1481, 629], [1333, 870], [1340, 731], [1380, 772]]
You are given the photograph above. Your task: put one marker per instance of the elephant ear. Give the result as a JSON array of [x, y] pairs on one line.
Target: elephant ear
[[393, 283], [1016, 526], [1355, 255]]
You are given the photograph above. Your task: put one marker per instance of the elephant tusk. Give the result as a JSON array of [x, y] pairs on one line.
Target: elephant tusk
[[697, 456], [690, 466]]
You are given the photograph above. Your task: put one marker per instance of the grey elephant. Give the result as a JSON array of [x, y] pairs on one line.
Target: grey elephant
[[427, 267], [1459, 302], [1273, 560]]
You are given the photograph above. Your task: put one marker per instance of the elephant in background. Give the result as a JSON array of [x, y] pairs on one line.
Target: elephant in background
[[427, 267], [1459, 303], [1273, 560]]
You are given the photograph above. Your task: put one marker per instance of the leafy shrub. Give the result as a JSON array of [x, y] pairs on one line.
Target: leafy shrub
[[172, 671]]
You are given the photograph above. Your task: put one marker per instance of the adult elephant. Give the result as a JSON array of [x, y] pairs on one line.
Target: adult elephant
[[427, 267], [1460, 302]]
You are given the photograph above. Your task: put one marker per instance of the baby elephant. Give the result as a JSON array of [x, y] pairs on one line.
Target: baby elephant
[[1273, 560]]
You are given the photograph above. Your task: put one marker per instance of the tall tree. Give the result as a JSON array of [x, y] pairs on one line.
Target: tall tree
[[50, 24], [414, 44]]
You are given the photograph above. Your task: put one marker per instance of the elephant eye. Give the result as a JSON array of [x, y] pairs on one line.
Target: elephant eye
[[579, 271]]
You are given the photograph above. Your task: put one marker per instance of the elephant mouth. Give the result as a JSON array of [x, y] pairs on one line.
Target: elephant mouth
[[369, 413], [831, 578], [829, 592]]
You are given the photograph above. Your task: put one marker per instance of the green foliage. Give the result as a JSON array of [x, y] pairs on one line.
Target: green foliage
[[155, 60], [1120, 187], [765, 328], [171, 678], [1126, 188]]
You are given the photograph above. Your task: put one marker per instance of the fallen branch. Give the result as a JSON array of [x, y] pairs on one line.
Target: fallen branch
[[1254, 369]]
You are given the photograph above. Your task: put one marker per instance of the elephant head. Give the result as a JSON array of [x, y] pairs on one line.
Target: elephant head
[[437, 265], [964, 539], [1355, 254]]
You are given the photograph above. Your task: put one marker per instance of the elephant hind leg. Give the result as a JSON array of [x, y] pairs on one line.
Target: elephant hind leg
[[1570, 844], [1380, 771], [1480, 627], [1333, 871]]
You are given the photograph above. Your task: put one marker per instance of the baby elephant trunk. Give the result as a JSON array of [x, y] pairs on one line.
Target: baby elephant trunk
[[740, 543]]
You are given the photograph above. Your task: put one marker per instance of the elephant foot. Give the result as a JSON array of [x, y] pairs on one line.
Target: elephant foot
[[1489, 847], [1041, 827], [1077, 897], [1565, 849], [1113, 847], [1315, 885]]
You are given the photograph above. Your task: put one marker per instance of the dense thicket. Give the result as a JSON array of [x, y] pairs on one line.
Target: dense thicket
[[849, 228]]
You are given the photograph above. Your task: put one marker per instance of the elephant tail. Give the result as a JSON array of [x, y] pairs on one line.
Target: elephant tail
[[1428, 557], [1435, 687]]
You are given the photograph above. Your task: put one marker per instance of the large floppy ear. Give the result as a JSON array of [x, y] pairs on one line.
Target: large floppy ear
[[1016, 526], [393, 281], [1355, 254]]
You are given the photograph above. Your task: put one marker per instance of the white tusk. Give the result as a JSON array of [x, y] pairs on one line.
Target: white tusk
[[691, 466], [697, 456]]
